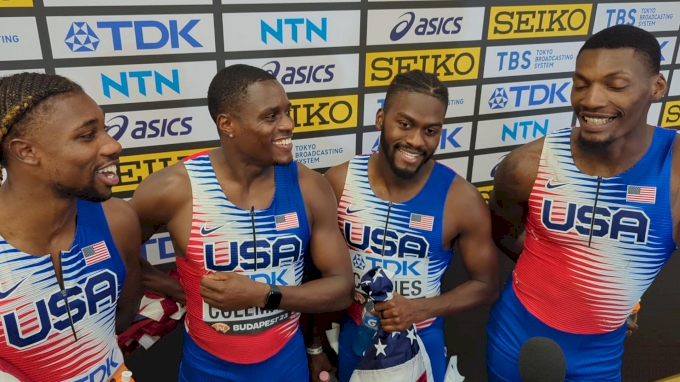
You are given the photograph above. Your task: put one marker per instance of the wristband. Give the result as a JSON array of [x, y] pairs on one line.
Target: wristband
[[314, 351]]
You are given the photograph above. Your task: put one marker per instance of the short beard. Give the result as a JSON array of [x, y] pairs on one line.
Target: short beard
[[390, 154], [89, 193], [593, 147]]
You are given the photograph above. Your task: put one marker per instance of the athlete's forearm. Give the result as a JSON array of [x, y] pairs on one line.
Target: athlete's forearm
[[466, 296], [328, 294], [159, 282]]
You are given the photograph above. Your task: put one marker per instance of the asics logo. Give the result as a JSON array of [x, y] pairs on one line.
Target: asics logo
[[7, 293], [550, 185]]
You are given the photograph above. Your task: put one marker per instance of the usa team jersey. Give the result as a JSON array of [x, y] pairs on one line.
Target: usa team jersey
[[35, 331], [583, 288], [222, 241], [413, 243]]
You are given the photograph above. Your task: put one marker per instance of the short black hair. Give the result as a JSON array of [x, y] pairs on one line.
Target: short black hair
[[645, 45], [21, 94], [228, 87], [417, 81]]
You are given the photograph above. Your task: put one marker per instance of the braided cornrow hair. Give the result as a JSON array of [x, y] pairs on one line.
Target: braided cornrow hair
[[20, 93]]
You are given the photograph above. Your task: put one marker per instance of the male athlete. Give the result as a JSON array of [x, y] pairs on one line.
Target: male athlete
[[401, 210], [69, 268], [244, 220], [589, 213]]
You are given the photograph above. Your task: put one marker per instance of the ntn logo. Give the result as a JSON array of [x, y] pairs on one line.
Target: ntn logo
[[122, 85], [277, 32], [523, 127]]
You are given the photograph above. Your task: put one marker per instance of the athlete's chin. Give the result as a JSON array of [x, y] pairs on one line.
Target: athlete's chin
[[283, 160]]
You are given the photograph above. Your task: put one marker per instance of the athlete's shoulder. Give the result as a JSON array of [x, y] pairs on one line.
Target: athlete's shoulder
[[516, 173], [164, 191], [336, 176], [124, 225]]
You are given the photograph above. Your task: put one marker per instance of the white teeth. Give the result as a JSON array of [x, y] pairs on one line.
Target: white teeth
[[409, 155], [110, 175], [112, 169], [283, 142], [597, 121]]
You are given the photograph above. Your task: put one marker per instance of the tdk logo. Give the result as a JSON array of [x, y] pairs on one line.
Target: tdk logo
[[426, 27], [498, 99], [292, 75], [156, 128], [536, 95], [309, 28], [81, 38], [149, 35], [139, 80]]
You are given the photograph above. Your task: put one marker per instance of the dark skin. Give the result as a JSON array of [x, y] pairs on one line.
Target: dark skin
[[66, 144], [244, 170], [414, 123], [613, 83]]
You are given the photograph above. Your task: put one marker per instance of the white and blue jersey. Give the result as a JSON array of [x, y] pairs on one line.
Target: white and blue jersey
[[405, 238], [593, 246], [36, 335]]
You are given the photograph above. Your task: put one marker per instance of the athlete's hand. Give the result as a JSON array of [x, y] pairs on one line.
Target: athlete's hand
[[398, 314], [631, 328], [317, 364], [232, 291]]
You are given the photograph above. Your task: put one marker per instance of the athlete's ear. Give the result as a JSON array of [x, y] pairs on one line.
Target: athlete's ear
[[660, 87], [226, 124], [24, 151], [380, 119]]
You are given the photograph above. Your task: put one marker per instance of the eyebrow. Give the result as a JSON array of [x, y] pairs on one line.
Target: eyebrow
[[404, 115], [607, 76], [274, 109], [87, 124]]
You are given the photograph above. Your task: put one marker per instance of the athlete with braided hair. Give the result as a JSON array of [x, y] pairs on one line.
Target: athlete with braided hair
[[69, 268]]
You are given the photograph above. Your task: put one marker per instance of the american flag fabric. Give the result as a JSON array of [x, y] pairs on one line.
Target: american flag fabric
[[96, 252], [424, 222], [396, 356], [287, 221], [642, 194]]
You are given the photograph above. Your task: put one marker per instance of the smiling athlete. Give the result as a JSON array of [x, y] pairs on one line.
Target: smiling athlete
[[242, 219], [589, 213], [402, 210], [69, 253]]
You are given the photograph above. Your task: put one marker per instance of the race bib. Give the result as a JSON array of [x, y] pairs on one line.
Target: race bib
[[252, 320], [246, 321]]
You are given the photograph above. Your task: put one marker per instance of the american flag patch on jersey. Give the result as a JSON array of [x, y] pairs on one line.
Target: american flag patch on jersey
[[287, 221], [423, 222], [641, 194], [96, 252]]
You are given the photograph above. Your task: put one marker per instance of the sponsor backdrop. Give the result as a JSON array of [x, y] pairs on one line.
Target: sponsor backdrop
[[148, 63]]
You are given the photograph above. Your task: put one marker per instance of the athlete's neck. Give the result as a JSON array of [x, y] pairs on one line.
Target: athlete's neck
[[35, 219], [245, 183], [617, 157], [389, 186]]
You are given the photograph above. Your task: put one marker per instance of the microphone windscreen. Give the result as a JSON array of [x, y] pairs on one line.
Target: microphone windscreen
[[542, 360]]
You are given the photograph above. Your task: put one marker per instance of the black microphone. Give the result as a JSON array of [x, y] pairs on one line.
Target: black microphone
[[542, 360]]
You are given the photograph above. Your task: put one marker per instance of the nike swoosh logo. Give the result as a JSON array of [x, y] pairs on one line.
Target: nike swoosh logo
[[207, 231], [550, 185], [7, 293], [351, 211]]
